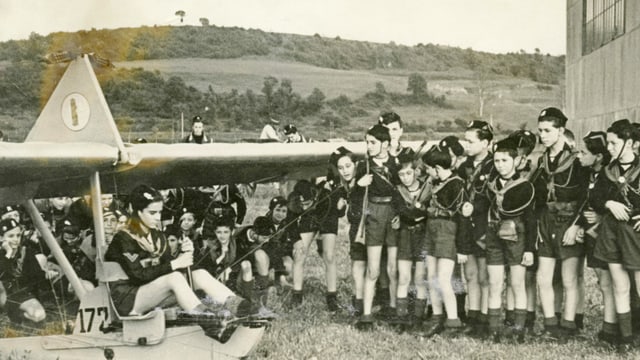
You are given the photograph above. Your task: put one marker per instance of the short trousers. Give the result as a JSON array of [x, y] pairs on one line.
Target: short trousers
[[505, 252], [378, 229], [618, 243], [411, 243], [551, 229], [440, 238]]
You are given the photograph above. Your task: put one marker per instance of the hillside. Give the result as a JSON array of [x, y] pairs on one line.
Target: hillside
[[329, 86]]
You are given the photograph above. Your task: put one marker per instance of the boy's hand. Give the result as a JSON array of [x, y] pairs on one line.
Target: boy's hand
[[591, 216], [462, 259], [366, 180], [395, 222], [570, 235], [342, 203], [618, 210], [527, 258]]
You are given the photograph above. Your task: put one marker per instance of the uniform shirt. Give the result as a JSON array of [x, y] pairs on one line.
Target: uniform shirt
[[202, 139], [327, 206], [618, 184], [21, 272], [514, 199], [447, 197], [562, 179], [222, 200], [269, 133], [385, 177], [141, 265], [207, 256], [412, 205]]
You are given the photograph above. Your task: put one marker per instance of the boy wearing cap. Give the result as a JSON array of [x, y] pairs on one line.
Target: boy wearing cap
[[250, 243], [270, 131], [379, 175], [197, 135], [477, 171], [80, 252], [561, 188], [280, 247], [302, 201], [595, 156], [293, 135], [412, 209], [616, 196], [444, 240], [510, 237], [20, 275], [10, 212]]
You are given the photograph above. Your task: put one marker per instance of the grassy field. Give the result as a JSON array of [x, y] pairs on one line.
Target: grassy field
[[310, 332]]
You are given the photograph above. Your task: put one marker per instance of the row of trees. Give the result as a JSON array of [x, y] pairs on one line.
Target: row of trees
[[166, 42]]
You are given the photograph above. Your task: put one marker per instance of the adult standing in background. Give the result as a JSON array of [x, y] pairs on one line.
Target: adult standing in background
[[197, 134], [271, 130]]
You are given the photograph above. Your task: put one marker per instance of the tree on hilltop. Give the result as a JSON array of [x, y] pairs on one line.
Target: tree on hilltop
[[204, 21], [181, 13]]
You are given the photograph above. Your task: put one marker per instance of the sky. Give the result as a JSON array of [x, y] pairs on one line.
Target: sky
[[497, 26]]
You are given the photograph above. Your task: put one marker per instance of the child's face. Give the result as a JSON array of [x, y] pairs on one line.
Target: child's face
[[505, 164], [59, 203], [12, 237], [375, 147], [549, 134], [615, 145], [279, 213], [70, 239], [110, 224], [173, 243], [106, 200], [346, 168], [223, 234], [395, 131], [474, 145], [187, 222], [407, 175], [15, 215], [122, 223], [151, 215], [586, 158]]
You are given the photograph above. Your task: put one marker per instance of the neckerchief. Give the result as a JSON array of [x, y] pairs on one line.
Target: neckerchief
[[499, 193], [148, 243], [471, 189], [565, 162], [440, 186], [424, 191], [612, 171]]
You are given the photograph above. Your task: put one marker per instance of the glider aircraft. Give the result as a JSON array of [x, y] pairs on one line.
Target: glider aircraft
[[75, 148]]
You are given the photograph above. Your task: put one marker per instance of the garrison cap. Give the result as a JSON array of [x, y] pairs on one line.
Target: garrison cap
[[480, 125], [508, 144], [337, 154], [389, 117], [277, 201], [406, 156], [196, 118], [453, 143], [553, 112], [305, 190], [70, 227], [290, 129], [262, 226], [526, 140], [8, 224], [598, 138], [7, 209]]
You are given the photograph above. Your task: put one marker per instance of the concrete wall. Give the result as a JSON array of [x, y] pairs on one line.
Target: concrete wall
[[603, 85]]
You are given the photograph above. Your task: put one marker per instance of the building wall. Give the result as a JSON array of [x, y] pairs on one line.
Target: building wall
[[604, 85]]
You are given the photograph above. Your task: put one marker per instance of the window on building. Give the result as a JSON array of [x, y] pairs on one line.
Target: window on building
[[603, 22]]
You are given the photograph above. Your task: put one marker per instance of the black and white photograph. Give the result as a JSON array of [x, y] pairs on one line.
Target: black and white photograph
[[282, 179]]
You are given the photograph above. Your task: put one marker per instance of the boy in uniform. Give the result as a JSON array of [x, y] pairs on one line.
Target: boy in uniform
[[511, 236], [412, 210], [561, 188], [378, 175], [477, 171]]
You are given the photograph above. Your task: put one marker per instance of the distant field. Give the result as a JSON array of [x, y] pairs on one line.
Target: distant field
[[510, 102]]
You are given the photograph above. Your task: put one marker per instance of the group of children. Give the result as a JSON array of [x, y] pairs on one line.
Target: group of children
[[509, 216]]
